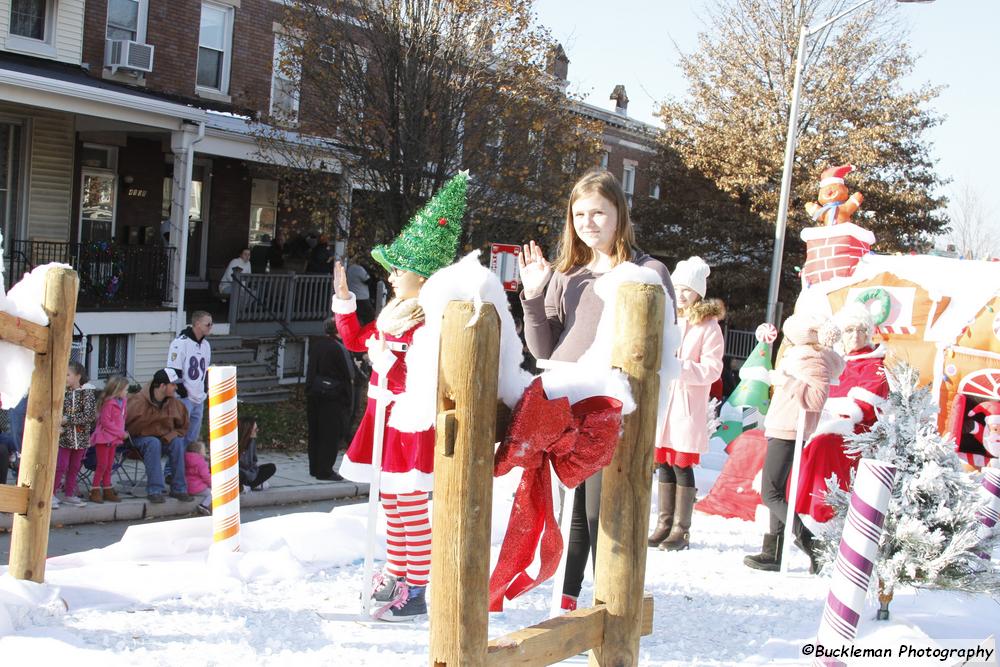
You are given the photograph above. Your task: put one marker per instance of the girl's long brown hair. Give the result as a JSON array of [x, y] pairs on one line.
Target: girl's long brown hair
[[246, 425], [573, 252]]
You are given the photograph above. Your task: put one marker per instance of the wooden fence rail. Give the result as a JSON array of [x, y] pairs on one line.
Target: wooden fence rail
[[31, 500], [463, 483]]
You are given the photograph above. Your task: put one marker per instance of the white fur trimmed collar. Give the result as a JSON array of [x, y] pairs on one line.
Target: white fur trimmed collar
[[399, 316]]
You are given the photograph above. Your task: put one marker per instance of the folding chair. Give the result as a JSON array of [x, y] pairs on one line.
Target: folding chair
[[126, 466]]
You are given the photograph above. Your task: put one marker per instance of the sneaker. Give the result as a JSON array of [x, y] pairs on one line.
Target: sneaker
[[75, 501], [181, 496], [55, 503], [261, 487], [332, 476], [156, 498], [413, 607], [568, 603], [384, 587], [204, 510]]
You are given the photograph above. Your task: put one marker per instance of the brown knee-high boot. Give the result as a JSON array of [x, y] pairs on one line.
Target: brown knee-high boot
[[680, 535], [665, 512]]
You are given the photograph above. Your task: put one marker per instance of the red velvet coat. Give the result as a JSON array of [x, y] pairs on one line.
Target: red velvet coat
[[407, 458], [849, 409]]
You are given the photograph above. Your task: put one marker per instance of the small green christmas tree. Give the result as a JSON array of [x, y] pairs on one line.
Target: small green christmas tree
[[929, 538], [429, 240]]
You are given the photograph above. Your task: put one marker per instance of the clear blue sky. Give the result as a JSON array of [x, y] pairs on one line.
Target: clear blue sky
[[633, 42]]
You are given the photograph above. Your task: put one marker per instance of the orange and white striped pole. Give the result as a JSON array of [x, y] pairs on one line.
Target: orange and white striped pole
[[224, 443]]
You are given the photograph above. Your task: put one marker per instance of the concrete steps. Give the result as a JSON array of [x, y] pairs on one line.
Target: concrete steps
[[256, 382]]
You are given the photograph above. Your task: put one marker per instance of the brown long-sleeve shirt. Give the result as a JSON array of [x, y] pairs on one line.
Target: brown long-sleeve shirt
[[561, 323]]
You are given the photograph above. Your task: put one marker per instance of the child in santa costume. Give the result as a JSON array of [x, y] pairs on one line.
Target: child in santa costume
[[427, 244], [685, 434]]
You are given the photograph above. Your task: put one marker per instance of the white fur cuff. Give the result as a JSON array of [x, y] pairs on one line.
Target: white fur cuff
[[344, 306], [382, 361]]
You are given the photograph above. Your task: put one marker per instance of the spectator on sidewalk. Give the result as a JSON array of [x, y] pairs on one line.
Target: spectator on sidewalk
[[252, 474], [190, 356], [155, 418], [79, 416], [329, 401], [199, 475], [17, 415], [241, 263], [108, 434]]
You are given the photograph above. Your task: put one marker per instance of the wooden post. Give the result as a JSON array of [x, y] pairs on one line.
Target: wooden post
[[621, 547], [30, 531], [463, 486]]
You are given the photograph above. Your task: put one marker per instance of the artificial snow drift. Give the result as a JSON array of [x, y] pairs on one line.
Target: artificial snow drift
[[291, 597]]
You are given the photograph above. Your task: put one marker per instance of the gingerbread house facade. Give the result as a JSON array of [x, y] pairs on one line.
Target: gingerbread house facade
[[938, 314]]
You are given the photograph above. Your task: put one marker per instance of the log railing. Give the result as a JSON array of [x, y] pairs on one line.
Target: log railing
[[463, 480]]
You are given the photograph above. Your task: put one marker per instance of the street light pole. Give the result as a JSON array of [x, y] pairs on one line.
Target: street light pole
[[786, 182], [786, 175]]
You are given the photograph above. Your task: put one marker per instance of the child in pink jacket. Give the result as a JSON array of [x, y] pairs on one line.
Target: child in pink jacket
[[801, 384], [108, 434], [685, 434], [198, 475]]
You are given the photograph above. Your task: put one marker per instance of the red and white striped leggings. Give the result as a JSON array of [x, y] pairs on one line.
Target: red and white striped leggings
[[408, 536]]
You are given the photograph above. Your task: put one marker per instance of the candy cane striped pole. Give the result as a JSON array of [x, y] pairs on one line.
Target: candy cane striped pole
[[857, 554], [989, 515], [224, 442]]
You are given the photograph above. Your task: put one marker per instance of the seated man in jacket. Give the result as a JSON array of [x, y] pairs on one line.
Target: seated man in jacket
[[156, 419]]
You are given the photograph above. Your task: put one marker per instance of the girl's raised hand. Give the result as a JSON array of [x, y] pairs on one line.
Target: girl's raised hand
[[340, 282], [535, 269]]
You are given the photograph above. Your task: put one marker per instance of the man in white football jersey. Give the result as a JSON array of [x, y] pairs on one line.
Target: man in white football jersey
[[190, 355]]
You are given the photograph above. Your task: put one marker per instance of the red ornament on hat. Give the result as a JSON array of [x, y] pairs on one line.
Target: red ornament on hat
[[442, 221], [835, 174]]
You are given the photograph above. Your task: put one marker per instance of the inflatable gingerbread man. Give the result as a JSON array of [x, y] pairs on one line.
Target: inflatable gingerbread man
[[834, 206]]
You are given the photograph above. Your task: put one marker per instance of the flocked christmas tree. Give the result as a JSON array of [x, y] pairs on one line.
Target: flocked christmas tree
[[930, 536]]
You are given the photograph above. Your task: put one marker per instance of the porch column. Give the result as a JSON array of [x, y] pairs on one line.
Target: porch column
[[182, 143], [344, 194]]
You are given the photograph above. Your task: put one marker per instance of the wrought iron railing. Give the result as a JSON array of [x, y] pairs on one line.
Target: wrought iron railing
[[280, 297], [112, 276], [739, 344]]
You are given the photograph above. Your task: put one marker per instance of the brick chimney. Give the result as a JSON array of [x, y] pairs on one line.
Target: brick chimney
[[621, 100], [558, 64], [832, 251]]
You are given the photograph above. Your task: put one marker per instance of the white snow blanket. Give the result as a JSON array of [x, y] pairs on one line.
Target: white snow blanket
[[290, 598], [24, 300], [468, 280]]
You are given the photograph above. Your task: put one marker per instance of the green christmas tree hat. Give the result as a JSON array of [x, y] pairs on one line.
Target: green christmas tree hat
[[430, 239]]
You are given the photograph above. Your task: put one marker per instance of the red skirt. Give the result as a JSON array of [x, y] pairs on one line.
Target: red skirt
[[407, 458], [674, 458]]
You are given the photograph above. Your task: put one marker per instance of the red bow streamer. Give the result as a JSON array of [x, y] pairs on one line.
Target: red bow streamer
[[578, 441]]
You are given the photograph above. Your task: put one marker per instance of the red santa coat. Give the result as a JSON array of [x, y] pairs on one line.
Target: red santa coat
[[849, 409], [407, 458]]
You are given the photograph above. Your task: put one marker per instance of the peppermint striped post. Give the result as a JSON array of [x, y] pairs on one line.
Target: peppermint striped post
[[857, 554], [223, 438], [989, 515]]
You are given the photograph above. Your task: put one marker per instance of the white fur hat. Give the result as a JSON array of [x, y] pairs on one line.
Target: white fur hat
[[692, 272], [855, 313]]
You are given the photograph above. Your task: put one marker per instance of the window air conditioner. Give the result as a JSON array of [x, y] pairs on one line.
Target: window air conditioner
[[126, 54]]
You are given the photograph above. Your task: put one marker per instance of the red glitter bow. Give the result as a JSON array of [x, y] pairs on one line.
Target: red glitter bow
[[578, 441]]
